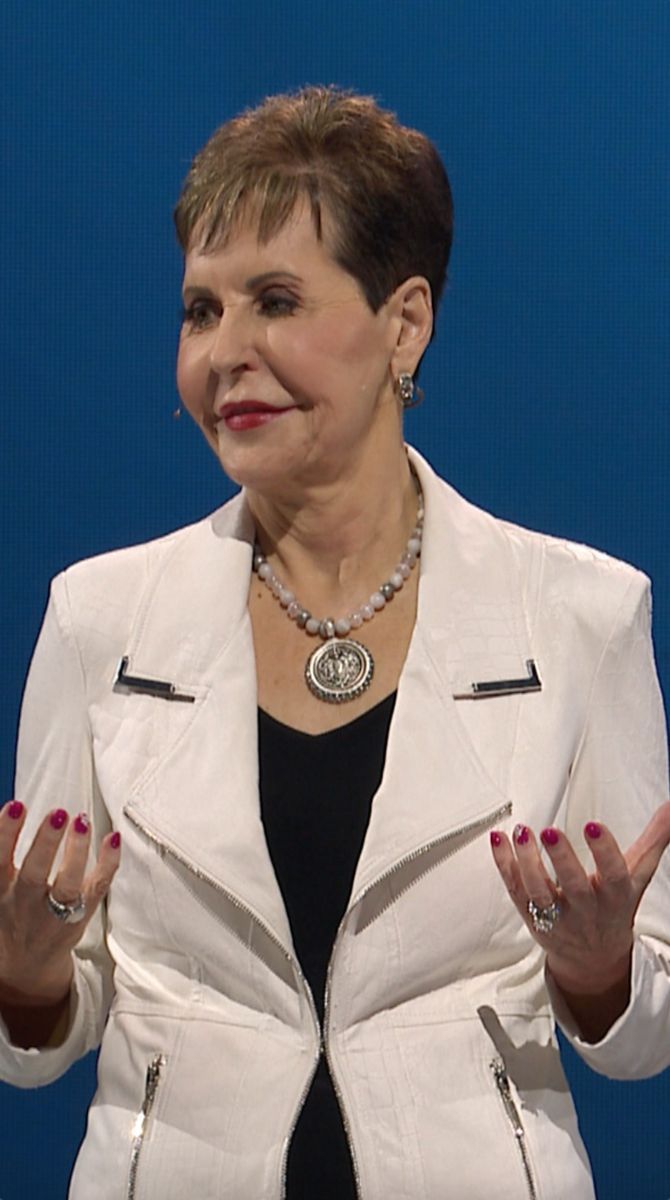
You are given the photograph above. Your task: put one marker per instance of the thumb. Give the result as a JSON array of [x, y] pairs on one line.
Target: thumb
[[643, 857]]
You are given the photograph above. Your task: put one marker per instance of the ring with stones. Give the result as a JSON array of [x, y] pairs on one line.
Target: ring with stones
[[543, 920], [69, 914]]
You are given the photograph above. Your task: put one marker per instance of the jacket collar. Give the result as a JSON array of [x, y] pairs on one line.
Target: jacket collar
[[201, 797]]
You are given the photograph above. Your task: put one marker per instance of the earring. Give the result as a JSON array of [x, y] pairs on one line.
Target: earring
[[176, 413], [409, 393]]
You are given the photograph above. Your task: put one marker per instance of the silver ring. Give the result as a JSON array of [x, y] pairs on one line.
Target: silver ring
[[543, 919], [69, 914]]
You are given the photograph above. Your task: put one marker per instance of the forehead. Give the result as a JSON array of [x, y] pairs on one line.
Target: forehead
[[295, 247]]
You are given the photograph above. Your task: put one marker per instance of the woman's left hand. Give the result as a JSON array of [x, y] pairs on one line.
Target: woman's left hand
[[583, 921]]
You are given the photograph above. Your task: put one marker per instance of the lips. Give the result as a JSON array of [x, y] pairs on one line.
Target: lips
[[240, 407], [250, 414]]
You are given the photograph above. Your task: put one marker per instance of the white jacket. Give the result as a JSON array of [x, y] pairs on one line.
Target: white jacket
[[440, 1031]]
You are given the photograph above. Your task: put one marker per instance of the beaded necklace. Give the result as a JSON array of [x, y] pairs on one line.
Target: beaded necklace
[[341, 668]]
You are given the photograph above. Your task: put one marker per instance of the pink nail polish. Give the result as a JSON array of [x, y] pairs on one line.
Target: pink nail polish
[[592, 829], [549, 836], [115, 840], [495, 838], [58, 818], [15, 809], [521, 834], [81, 823]]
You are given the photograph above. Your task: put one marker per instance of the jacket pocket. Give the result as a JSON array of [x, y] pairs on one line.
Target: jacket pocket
[[151, 1085], [511, 1109]]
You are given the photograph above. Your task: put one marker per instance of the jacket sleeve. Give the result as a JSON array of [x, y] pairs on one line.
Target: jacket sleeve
[[55, 769], [620, 776]]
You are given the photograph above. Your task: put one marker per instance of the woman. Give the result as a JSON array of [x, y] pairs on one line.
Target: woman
[[277, 947]]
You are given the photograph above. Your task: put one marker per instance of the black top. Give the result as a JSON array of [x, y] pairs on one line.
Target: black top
[[316, 792]]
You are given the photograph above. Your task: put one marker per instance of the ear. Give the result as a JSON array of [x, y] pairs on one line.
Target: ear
[[412, 306]]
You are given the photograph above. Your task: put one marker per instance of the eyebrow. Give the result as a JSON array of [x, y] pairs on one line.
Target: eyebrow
[[250, 285], [195, 289], [257, 280]]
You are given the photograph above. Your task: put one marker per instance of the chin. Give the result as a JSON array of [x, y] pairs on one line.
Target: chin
[[257, 468]]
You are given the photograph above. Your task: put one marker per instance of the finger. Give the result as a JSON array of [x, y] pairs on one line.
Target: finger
[[537, 882], [42, 851], [612, 872], [570, 875], [508, 866], [643, 857], [67, 884], [12, 817], [98, 883]]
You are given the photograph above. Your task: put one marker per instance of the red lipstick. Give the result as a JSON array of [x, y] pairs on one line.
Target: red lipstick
[[250, 414]]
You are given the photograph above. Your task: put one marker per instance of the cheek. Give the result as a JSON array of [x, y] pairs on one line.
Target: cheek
[[192, 377], [310, 355]]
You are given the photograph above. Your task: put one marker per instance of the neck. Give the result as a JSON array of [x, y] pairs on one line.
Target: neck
[[333, 543]]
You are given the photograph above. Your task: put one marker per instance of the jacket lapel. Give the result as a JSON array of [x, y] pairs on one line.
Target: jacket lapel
[[200, 798], [447, 760]]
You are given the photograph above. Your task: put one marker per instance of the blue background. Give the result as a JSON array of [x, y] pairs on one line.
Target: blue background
[[546, 390]]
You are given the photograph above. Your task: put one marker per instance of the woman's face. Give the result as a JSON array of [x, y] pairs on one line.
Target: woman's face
[[281, 361]]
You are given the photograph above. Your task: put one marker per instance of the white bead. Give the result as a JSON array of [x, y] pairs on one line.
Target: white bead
[[409, 559], [377, 601], [356, 620], [397, 580], [342, 626], [312, 625], [403, 570], [286, 597], [293, 609], [367, 612], [414, 545], [265, 571], [276, 586]]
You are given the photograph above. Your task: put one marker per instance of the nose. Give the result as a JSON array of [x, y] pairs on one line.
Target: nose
[[233, 349]]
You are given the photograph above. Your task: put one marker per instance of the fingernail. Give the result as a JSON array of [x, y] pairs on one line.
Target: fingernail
[[115, 841], [592, 829], [521, 834], [81, 823], [549, 836], [58, 818], [15, 809], [495, 838]]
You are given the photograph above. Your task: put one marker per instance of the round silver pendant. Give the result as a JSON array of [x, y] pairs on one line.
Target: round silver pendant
[[339, 670]]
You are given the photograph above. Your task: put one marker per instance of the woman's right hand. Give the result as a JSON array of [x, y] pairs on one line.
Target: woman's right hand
[[35, 945]]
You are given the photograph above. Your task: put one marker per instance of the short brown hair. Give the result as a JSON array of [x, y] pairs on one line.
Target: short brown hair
[[384, 185]]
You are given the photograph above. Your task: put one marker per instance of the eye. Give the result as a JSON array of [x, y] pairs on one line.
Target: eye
[[277, 304], [200, 314]]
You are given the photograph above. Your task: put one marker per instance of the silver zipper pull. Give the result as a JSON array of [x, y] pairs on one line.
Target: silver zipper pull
[[152, 1080], [502, 1083]]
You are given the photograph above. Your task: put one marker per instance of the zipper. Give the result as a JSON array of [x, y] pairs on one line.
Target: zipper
[[151, 1083], [249, 912], [509, 1104], [476, 826], [472, 826], [333, 1074]]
